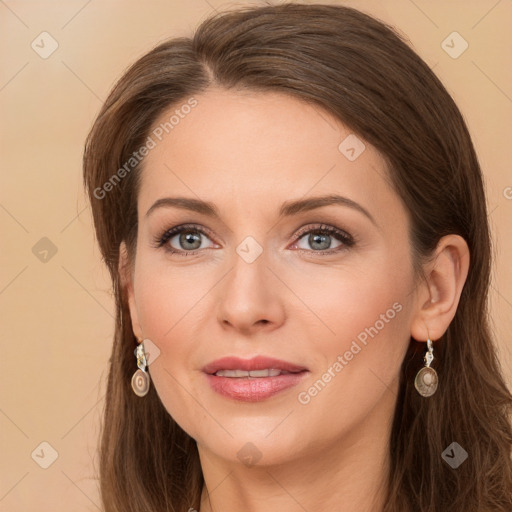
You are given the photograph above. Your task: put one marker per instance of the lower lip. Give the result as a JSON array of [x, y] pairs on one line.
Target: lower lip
[[253, 389]]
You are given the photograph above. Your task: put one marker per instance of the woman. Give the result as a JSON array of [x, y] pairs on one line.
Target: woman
[[292, 213]]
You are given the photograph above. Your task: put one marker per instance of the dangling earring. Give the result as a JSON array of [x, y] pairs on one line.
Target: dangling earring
[[426, 379], [140, 379]]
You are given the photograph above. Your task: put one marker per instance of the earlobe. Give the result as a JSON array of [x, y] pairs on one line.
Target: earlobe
[[439, 293], [126, 280]]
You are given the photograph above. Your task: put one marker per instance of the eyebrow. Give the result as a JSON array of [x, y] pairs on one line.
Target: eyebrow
[[287, 209]]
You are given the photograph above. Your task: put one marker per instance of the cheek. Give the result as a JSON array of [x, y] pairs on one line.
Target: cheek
[[171, 311], [345, 302], [165, 296], [160, 308], [361, 339]]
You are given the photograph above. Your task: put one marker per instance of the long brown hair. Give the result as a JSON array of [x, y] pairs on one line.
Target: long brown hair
[[360, 70]]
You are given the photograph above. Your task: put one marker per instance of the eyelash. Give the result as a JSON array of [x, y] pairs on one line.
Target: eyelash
[[346, 239]]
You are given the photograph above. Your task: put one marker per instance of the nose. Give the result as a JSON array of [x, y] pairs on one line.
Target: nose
[[251, 297]]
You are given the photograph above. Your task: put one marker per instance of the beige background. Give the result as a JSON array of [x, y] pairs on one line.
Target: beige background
[[57, 314]]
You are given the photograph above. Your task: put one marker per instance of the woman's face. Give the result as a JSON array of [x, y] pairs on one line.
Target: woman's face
[[257, 280]]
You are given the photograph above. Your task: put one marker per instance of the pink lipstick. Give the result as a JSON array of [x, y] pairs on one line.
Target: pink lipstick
[[252, 380]]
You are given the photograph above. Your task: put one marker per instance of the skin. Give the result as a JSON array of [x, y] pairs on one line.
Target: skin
[[248, 152]]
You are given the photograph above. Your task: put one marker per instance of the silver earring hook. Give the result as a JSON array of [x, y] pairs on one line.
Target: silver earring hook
[[429, 356]]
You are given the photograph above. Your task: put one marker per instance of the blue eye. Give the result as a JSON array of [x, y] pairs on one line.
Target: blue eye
[[190, 242], [320, 239], [188, 237]]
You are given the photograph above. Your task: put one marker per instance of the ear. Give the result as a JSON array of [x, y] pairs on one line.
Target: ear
[[439, 293], [126, 277]]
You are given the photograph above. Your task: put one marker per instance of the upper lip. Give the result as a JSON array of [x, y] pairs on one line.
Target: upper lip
[[255, 363]]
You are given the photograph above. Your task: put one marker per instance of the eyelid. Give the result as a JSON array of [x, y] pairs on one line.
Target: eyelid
[[322, 227]]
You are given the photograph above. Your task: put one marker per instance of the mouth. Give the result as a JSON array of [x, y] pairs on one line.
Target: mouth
[[259, 366], [252, 380], [254, 374]]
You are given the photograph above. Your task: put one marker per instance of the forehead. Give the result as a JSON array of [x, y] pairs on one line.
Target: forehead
[[262, 148]]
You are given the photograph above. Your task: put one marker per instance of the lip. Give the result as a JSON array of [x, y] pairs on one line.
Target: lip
[[255, 363], [253, 389]]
